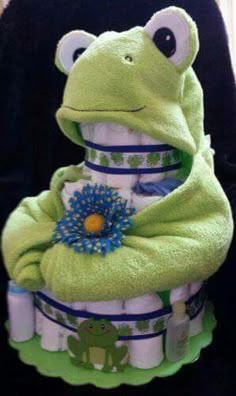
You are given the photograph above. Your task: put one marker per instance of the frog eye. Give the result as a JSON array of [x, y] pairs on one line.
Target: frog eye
[[175, 35], [71, 47], [90, 325], [103, 326]]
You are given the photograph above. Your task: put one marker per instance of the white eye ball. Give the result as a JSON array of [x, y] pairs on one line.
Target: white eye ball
[[71, 47], [170, 32]]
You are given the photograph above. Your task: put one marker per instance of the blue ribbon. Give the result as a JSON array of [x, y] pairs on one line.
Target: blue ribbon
[[131, 171], [194, 306], [152, 148]]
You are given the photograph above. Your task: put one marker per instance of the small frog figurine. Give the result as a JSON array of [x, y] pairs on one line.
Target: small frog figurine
[[97, 337]]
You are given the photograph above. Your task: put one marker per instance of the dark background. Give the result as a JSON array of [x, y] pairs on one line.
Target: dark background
[[32, 147]]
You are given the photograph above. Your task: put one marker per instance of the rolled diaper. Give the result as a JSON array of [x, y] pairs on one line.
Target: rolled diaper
[[69, 189], [112, 307], [38, 321], [87, 131], [95, 133], [151, 177], [140, 201], [126, 194], [122, 136], [145, 353], [125, 181], [196, 323], [54, 335], [80, 306], [101, 134], [98, 177], [119, 135], [171, 174]]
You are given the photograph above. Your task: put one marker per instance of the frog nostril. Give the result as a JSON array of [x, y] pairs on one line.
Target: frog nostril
[[129, 58]]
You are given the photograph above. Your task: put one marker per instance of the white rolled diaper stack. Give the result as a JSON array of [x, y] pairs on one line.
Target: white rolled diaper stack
[[139, 202], [102, 135], [154, 177], [107, 134], [196, 323], [150, 177], [69, 189], [146, 353], [121, 136], [127, 195], [80, 306], [96, 133], [53, 336], [38, 321]]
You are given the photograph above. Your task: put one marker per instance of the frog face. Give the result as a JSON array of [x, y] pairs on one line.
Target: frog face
[[97, 332], [139, 79]]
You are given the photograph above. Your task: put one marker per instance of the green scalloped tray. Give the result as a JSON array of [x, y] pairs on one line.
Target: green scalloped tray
[[57, 364]]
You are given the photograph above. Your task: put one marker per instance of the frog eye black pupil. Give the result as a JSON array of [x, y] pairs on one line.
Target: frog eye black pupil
[[102, 326], [77, 53], [165, 41], [91, 326]]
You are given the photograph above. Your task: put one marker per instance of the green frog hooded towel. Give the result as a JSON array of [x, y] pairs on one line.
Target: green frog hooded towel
[[144, 213]]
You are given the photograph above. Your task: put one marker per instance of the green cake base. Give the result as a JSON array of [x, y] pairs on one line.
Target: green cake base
[[57, 364]]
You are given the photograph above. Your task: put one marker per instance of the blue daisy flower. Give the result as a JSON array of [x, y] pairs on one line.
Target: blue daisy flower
[[95, 222]]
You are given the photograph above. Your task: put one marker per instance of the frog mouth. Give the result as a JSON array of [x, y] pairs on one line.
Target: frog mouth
[[135, 110], [159, 124], [98, 335]]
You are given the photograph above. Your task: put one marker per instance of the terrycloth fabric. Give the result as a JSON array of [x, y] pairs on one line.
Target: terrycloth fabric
[[182, 238], [155, 256]]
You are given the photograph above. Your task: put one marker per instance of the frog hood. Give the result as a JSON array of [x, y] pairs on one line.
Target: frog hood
[[141, 78]]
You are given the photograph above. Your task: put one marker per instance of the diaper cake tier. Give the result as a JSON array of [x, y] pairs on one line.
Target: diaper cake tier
[[108, 267]]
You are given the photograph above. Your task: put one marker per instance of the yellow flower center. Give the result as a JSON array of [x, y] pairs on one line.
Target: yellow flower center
[[94, 223]]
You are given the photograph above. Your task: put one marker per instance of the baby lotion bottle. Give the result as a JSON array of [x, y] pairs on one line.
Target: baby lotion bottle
[[177, 335], [196, 323], [21, 313]]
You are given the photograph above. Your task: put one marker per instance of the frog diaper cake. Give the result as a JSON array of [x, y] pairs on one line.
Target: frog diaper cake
[[108, 267]]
